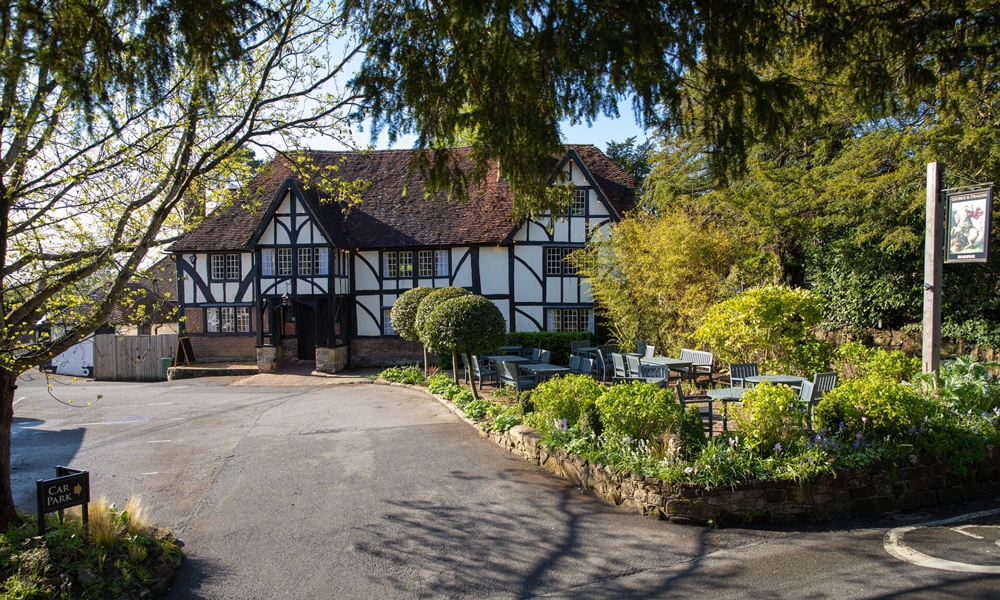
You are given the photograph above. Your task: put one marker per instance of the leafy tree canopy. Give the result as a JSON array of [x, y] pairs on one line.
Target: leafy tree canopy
[[404, 312], [512, 71]]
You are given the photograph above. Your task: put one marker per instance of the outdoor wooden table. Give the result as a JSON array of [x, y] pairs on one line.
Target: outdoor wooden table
[[590, 351], [516, 350], [507, 358], [542, 371], [726, 395], [792, 381], [666, 363]]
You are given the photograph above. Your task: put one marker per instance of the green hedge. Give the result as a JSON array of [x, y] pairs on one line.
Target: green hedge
[[557, 343]]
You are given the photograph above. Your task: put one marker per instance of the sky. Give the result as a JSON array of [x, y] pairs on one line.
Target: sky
[[604, 130]]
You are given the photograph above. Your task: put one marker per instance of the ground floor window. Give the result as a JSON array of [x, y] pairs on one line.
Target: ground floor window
[[569, 319], [387, 322], [227, 319]]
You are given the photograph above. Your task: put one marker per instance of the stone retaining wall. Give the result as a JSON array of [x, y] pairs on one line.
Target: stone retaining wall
[[883, 488]]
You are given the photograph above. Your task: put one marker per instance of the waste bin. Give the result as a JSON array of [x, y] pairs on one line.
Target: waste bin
[[165, 363]]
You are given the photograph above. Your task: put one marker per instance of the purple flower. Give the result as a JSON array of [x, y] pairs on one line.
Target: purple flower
[[778, 448], [563, 425]]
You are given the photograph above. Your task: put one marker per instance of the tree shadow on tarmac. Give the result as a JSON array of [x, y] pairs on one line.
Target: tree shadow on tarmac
[[559, 542], [35, 453]]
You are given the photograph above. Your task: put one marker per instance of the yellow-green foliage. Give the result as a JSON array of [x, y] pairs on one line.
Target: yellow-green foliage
[[639, 411], [872, 406], [772, 326], [563, 398], [772, 420], [653, 276]]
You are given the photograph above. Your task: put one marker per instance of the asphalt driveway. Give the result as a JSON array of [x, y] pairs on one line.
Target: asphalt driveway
[[326, 490]]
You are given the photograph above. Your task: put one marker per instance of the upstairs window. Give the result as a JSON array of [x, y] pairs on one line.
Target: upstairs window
[[556, 263], [425, 263], [284, 261], [225, 267], [441, 263], [397, 264], [579, 206], [267, 262], [322, 261], [305, 261]]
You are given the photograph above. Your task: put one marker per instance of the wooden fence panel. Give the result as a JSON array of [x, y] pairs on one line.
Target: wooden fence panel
[[131, 357]]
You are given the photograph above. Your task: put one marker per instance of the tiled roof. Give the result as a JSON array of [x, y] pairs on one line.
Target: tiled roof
[[393, 211]]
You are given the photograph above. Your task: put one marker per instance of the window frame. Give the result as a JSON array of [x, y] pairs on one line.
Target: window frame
[[425, 263], [581, 200], [442, 262], [557, 266], [556, 319], [283, 261], [305, 255], [267, 262]]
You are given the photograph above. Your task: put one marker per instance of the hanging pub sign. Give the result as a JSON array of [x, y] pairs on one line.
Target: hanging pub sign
[[968, 231]]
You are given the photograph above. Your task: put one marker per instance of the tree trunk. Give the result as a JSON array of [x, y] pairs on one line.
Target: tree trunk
[[454, 366], [8, 385], [425, 360]]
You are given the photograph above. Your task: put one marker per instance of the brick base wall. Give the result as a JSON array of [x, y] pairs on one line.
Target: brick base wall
[[224, 347], [385, 352]]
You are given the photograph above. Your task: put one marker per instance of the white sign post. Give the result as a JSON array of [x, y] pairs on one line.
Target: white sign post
[[933, 259]]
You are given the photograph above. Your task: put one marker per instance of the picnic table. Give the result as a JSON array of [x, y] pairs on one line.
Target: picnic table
[[542, 371], [792, 381], [726, 395], [665, 363]]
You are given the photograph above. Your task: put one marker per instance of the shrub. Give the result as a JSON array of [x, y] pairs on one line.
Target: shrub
[[772, 326], [563, 398], [438, 383], [854, 361], [403, 315], [506, 420], [408, 375], [461, 398], [963, 384], [640, 411], [773, 419], [481, 409], [555, 342], [431, 301], [872, 407]]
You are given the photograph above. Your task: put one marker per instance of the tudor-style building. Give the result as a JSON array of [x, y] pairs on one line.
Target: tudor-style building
[[286, 274]]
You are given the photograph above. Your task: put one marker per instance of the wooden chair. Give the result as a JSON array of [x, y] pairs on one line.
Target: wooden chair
[[584, 367], [637, 372], [807, 395], [704, 404], [574, 363], [823, 383], [545, 356], [483, 372], [575, 345], [510, 377], [604, 352], [536, 355], [650, 352], [738, 372], [701, 364], [620, 373]]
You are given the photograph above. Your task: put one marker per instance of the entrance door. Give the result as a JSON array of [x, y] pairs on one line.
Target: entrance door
[[305, 328]]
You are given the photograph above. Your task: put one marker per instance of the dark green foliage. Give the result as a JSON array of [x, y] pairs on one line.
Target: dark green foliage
[[431, 301], [482, 409], [638, 411], [691, 431], [555, 342], [590, 421], [404, 312], [525, 402], [471, 324], [964, 384], [636, 159]]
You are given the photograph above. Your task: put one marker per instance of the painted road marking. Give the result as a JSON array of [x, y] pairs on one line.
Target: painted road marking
[[161, 404], [150, 473], [895, 545], [16, 400], [158, 441]]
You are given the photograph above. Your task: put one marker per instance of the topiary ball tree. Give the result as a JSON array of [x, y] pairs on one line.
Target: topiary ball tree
[[427, 305], [404, 312], [471, 324]]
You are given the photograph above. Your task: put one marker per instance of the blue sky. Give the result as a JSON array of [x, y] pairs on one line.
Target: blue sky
[[602, 131]]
